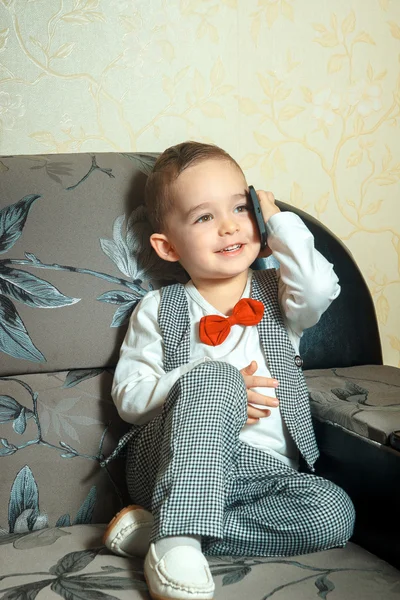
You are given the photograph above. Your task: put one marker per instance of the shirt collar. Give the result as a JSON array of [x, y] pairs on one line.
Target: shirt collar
[[195, 295]]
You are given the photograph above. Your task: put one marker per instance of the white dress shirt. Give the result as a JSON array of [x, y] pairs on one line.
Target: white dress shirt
[[307, 285]]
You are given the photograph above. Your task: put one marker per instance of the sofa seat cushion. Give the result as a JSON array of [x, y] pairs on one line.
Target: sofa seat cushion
[[54, 428], [364, 400], [72, 562]]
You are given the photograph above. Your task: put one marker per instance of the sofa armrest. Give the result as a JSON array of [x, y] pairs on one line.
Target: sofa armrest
[[354, 411]]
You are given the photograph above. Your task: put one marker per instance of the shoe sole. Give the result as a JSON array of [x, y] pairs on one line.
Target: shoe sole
[[157, 597], [113, 531]]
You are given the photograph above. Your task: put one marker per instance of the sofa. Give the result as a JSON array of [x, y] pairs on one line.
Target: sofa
[[74, 262]]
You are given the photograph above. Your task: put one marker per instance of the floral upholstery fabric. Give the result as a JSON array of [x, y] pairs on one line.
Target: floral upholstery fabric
[[73, 564], [59, 427], [75, 258]]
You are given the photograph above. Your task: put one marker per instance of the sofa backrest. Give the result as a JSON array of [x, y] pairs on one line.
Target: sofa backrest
[[75, 258], [347, 334]]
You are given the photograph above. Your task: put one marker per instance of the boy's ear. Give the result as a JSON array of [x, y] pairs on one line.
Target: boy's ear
[[163, 247]]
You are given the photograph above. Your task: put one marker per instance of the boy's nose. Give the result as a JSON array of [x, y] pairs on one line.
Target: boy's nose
[[228, 226]]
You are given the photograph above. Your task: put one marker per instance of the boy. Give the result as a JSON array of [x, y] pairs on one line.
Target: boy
[[210, 377]]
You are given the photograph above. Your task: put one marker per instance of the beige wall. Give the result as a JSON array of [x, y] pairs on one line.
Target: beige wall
[[304, 93]]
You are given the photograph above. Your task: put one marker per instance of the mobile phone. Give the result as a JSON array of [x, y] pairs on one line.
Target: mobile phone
[[259, 216]]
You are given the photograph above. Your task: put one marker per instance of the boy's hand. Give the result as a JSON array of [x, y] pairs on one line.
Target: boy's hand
[[251, 381], [267, 203], [269, 208]]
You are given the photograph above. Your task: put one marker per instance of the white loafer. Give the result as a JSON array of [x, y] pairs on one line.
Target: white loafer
[[181, 574], [128, 534]]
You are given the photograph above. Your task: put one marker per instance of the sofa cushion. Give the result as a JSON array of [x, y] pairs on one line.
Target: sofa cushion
[[53, 430], [73, 564], [364, 400]]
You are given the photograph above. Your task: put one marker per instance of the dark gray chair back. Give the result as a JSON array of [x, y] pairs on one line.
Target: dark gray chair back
[[347, 333]]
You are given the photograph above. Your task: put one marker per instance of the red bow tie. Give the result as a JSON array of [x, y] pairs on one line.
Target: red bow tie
[[215, 329]]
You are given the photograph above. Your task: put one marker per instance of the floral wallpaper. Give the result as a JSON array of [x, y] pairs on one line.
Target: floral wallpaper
[[304, 94]]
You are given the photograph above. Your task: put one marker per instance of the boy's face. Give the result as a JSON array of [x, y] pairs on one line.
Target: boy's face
[[211, 229]]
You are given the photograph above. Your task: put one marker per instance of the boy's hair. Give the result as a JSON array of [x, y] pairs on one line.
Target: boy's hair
[[169, 165]]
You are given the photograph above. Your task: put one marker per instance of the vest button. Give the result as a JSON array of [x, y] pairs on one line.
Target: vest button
[[298, 361]]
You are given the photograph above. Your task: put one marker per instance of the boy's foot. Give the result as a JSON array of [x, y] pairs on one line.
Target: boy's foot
[[181, 574], [128, 534]]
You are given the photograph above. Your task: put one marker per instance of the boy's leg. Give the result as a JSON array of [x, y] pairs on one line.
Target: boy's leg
[[273, 510], [179, 467], [180, 464]]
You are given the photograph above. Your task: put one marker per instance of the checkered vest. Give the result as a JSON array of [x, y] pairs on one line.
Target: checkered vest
[[282, 360]]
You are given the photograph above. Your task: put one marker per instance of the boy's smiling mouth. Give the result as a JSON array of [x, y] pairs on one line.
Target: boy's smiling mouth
[[231, 249]]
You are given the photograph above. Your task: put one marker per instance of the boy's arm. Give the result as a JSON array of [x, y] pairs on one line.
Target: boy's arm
[[140, 384], [307, 281]]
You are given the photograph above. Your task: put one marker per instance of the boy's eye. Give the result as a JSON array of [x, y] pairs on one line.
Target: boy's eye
[[242, 208], [204, 219]]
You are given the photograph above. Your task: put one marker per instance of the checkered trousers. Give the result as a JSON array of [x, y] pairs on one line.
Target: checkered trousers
[[190, 469]]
